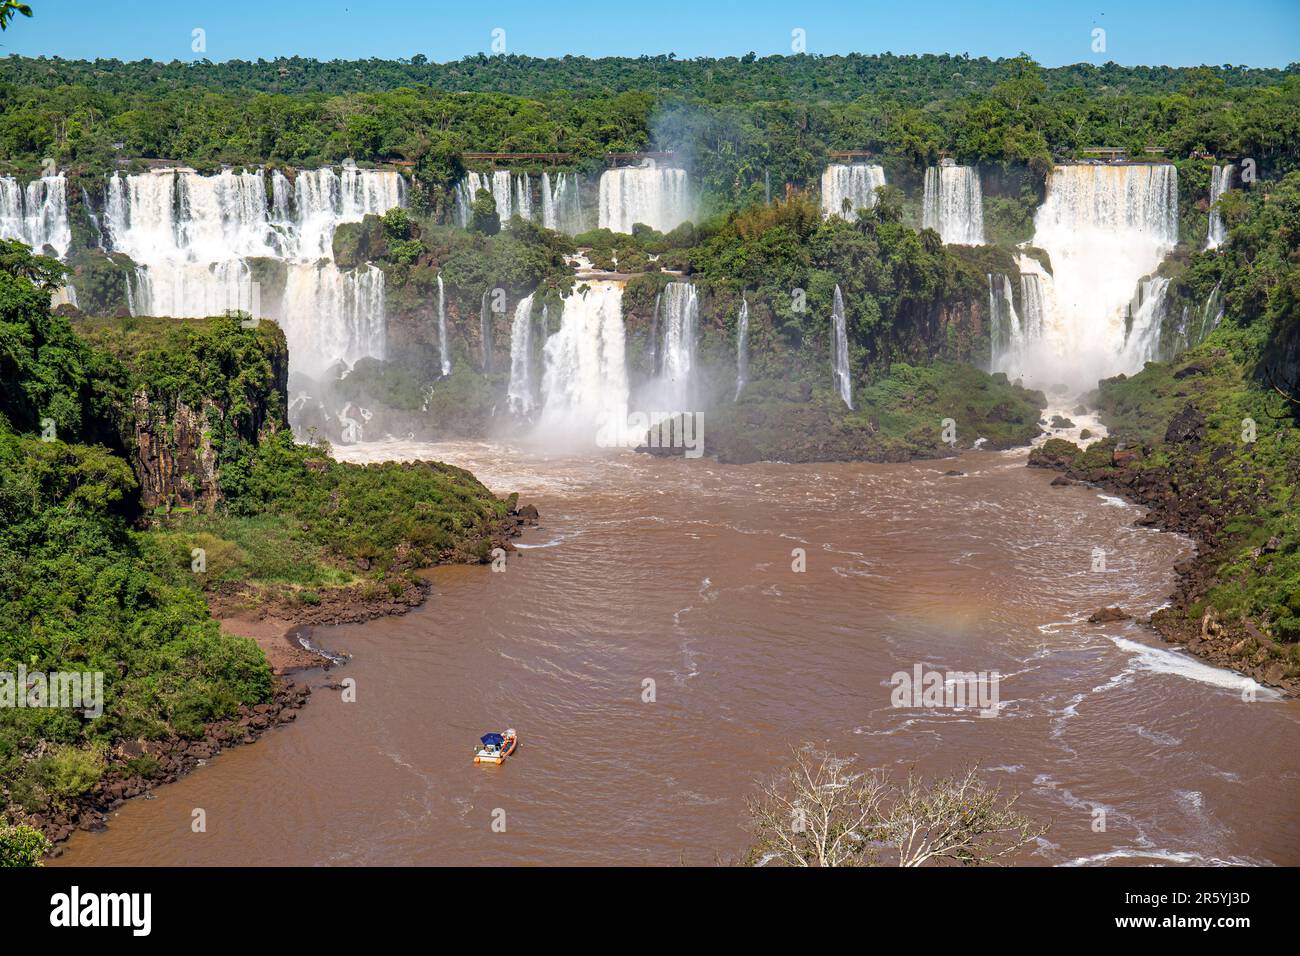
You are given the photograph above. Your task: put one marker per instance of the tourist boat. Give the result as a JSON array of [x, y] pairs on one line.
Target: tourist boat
[[496, 747]]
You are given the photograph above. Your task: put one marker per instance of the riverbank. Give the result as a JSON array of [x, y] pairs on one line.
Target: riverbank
[[281, 627], [1192, 442]]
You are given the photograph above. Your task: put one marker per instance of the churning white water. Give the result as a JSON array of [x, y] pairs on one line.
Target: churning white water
[[584, 384], [846, 188], [192, 237], [1104, 229], [953, 205], [36, 214], [840, 351], [658, 198], [519, 393], [742, 347], [1220, 182]]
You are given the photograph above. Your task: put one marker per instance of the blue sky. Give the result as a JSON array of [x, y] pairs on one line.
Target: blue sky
[[1187, 32]]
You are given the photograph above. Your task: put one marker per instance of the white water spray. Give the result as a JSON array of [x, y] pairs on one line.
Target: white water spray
[[658, 198], [443, 354], [1220, 183], [847, 188], [519, 393], [585, 384], [681, 309], [953, 205], [840, 354], [742, 347], [36, 214], [1104, 229]]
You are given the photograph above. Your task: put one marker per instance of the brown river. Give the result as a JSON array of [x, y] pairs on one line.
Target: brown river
[[681, 572]]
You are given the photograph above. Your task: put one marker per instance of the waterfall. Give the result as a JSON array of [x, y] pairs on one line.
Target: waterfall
[[63, 295], [1007, 336], [324, 199], [848, 188], [520, 391], [584, 384], [485, 332], [1220, 183], [96, 229], [37, 214], [562, 203], [953, 205], [1146, 317], [658, 198], [512, 193], [1034, 305], [681, 309], [840, 355], [1104, 229], [654, 337], [191, 237], [742, 347], [443, 355], [330, 315]]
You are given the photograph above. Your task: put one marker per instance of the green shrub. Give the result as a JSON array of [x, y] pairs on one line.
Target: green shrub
[[22, 846]]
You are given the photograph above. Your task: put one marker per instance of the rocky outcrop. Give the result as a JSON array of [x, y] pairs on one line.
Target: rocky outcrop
[[1189, 502], [173, 458], [196, 392], [1187, 426]]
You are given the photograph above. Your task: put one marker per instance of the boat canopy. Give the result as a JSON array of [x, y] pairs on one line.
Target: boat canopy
[[492, 739]]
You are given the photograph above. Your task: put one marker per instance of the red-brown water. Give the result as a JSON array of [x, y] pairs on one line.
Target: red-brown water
[[680, 572]]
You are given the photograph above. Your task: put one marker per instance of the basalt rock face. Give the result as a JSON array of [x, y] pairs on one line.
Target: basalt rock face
[[173, 457], [195, 392]]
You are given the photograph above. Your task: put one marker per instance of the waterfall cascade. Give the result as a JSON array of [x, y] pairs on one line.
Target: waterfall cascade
[[1146, 314], [584, 383], [953, 205], [1007, 338], [840, 353], [36, 214], [512, 193], [742, 347], [192, 236], [559, 204], [1220, 183], [846, 188], [1193, 327], [444, 355], [562, 203], [519, 394], [681, 310], [1104, 228], [485, 332], [658, 198], [329, 314]]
